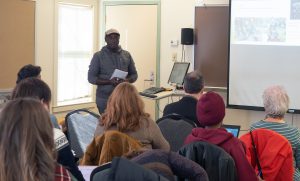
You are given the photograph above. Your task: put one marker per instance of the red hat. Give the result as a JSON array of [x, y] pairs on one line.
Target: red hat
[[210, 109]]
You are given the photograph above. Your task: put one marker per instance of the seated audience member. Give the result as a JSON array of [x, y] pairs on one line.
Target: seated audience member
[[34, 71], [29, 71], [210, 113], [276, 104], [26, 143], [168, 164], [125, 113], [38, 89], [272, 152], [186, 107]]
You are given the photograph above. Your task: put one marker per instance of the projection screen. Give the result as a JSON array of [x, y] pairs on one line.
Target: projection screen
[[264, 50]]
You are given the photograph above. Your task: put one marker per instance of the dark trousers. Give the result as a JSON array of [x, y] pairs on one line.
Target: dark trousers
[[101, 105]]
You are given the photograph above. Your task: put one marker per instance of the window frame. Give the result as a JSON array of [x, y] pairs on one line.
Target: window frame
[[95, 6]]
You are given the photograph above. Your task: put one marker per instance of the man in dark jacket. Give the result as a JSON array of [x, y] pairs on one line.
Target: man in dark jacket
[[186, 107], [210, 113], [104, 63]]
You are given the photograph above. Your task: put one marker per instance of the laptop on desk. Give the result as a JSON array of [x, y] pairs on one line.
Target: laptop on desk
[[154, 90], [234, 129]]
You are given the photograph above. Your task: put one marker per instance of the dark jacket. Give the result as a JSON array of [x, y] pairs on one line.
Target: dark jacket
[[64, 154], [217, 163], [230, 144], [169, 164], [104, 63], [185, 107], [125, 170]]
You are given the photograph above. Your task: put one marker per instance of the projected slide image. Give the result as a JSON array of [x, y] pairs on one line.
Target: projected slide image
[[295, 9], [259, 29]]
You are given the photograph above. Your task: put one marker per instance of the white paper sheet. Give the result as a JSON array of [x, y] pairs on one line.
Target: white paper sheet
[[119, 74], [86, 171]]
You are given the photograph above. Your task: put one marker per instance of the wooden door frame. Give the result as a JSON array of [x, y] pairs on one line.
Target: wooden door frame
[[119, 3]]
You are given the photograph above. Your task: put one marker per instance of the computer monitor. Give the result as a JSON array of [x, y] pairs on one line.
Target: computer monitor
[[178, 73]]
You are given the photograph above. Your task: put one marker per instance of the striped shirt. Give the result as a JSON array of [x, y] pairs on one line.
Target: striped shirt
[[290, 133]]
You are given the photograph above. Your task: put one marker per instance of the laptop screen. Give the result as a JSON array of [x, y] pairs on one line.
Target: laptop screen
[[234, 129]]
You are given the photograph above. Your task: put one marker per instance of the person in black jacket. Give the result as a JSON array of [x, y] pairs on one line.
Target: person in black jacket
[[193, 87], [38, 89]]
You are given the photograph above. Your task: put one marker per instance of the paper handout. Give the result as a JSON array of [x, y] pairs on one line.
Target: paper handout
[[119, 74]]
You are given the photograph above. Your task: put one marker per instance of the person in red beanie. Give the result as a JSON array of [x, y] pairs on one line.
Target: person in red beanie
[[210, 113]]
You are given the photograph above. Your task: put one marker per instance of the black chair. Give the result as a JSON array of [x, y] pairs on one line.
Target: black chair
[[218, 164], [99, 172], [81, 125], [125, 170], [175, 128]]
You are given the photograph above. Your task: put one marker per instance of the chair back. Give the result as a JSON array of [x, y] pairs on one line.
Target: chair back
[[125, 170], [272, 152], [175, 128], [100, 172], [81, 125], [218, 164]]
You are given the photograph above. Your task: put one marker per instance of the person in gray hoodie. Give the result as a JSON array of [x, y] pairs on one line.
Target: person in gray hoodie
[[104, 63]]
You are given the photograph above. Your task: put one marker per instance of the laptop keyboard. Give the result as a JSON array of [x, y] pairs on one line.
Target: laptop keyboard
[[153, 90], [148, 95]]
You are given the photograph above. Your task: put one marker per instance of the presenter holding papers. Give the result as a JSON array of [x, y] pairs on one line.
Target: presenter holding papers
[[109, 67], [119, 74]]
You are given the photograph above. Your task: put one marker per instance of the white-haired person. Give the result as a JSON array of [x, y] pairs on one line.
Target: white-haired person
[[276, 103]]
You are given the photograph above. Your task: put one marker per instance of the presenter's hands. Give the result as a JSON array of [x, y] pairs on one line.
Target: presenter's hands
[[115, 81]]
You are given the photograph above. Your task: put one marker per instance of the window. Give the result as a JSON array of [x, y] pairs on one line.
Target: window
[[75, 49]]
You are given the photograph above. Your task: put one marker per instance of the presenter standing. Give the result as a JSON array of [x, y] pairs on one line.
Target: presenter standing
[[104, 62]]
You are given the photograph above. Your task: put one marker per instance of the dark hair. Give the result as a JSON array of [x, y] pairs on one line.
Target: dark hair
[[193, 82], [28, 71], [34, 88]]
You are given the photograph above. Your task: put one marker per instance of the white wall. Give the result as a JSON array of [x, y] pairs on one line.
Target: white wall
[[175, 14], [44, 50], [44, 39]]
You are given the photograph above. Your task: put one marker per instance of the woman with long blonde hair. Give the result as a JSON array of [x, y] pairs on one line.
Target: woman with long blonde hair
[[26, 143], [125, 113]]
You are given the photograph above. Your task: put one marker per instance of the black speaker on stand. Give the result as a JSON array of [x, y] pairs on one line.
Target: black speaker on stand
[[187, 38]]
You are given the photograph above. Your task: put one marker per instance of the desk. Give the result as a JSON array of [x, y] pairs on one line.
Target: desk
[[162, 95]]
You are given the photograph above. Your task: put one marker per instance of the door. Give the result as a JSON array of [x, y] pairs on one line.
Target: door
[[137, 25]]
